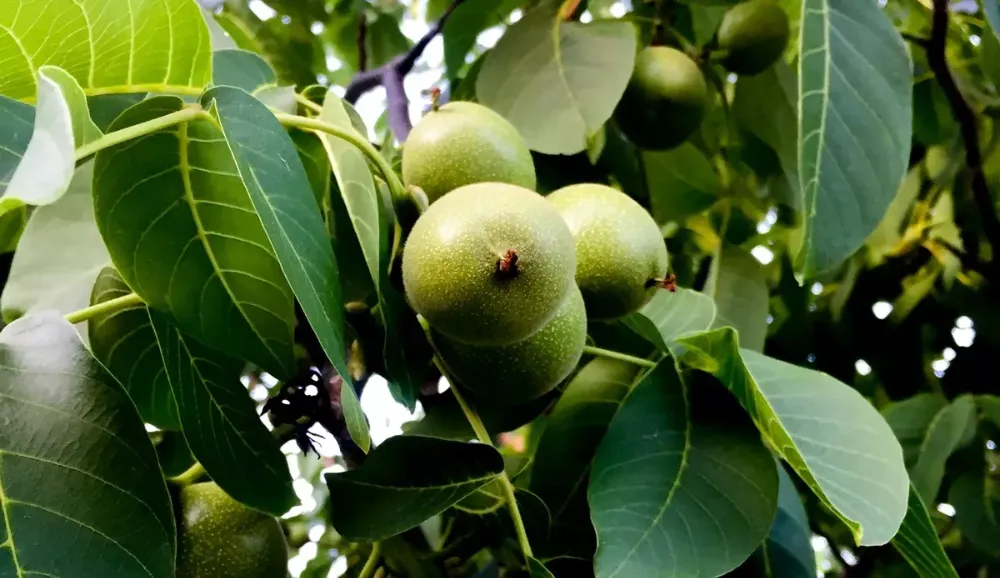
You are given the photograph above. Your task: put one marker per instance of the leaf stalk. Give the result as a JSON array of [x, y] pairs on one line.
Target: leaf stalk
[[601, 352], [369, 568], [110, 306], [351, 136], [137, 130]]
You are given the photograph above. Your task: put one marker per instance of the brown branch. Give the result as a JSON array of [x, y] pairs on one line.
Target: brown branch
[[362, 41], [966, 118], [402, 64]]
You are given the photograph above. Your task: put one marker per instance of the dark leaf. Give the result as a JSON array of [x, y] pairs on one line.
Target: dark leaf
[[678, 487], [125, 343], [77, 470], [406, 480], [189, 240], [220, 422]]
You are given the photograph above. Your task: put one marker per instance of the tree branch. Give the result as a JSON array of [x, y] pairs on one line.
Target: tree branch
[[966, 118], [398, 106], [362, 41], [391, 76]]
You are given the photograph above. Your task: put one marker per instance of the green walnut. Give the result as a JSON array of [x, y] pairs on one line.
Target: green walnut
[[664, 101], [620, 254], [525, 370], [221, 538], [489, 264], [463, 143], [754, 35]]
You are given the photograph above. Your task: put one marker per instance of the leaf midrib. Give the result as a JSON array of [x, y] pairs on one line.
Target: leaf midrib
[[9, 543], [821, 131], [673, 487], [201, 232]]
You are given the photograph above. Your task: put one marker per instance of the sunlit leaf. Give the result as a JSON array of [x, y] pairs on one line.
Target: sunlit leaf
[[562, 90], [158, 45], [855, 83], [76, 466], [830, 435]]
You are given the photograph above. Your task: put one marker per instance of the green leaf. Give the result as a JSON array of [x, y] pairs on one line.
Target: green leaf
[[491, 498], [766, 105], [562, 90], [405, 481], [62, 123], [890, 229], [12, 225], [830, 435], [220, 422], [16, 122], [105, 108], [269, 166], [678, 487], [944, 436], [462, 29], [992, 11], [125, 343], [681, 182], [736, 283], [538, 570], [444, 417], [572, 433], [789, 550], [317, 167], [354, 179], [372, 228], [154, 45], [77, 469], [990, 406], [670, 315], [976, 499], [855, 103], [240, 34], [910, 420], [59, 255], [241, 69], [917, 542], [185, 234]]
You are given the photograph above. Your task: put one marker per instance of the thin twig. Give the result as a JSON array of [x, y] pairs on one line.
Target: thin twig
[[966, 118], [403, 64]]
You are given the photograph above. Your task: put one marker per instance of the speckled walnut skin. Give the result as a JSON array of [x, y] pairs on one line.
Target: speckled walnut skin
[[525, 370], [451, 256], [221, 538], [619, 248], [463, 143]]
